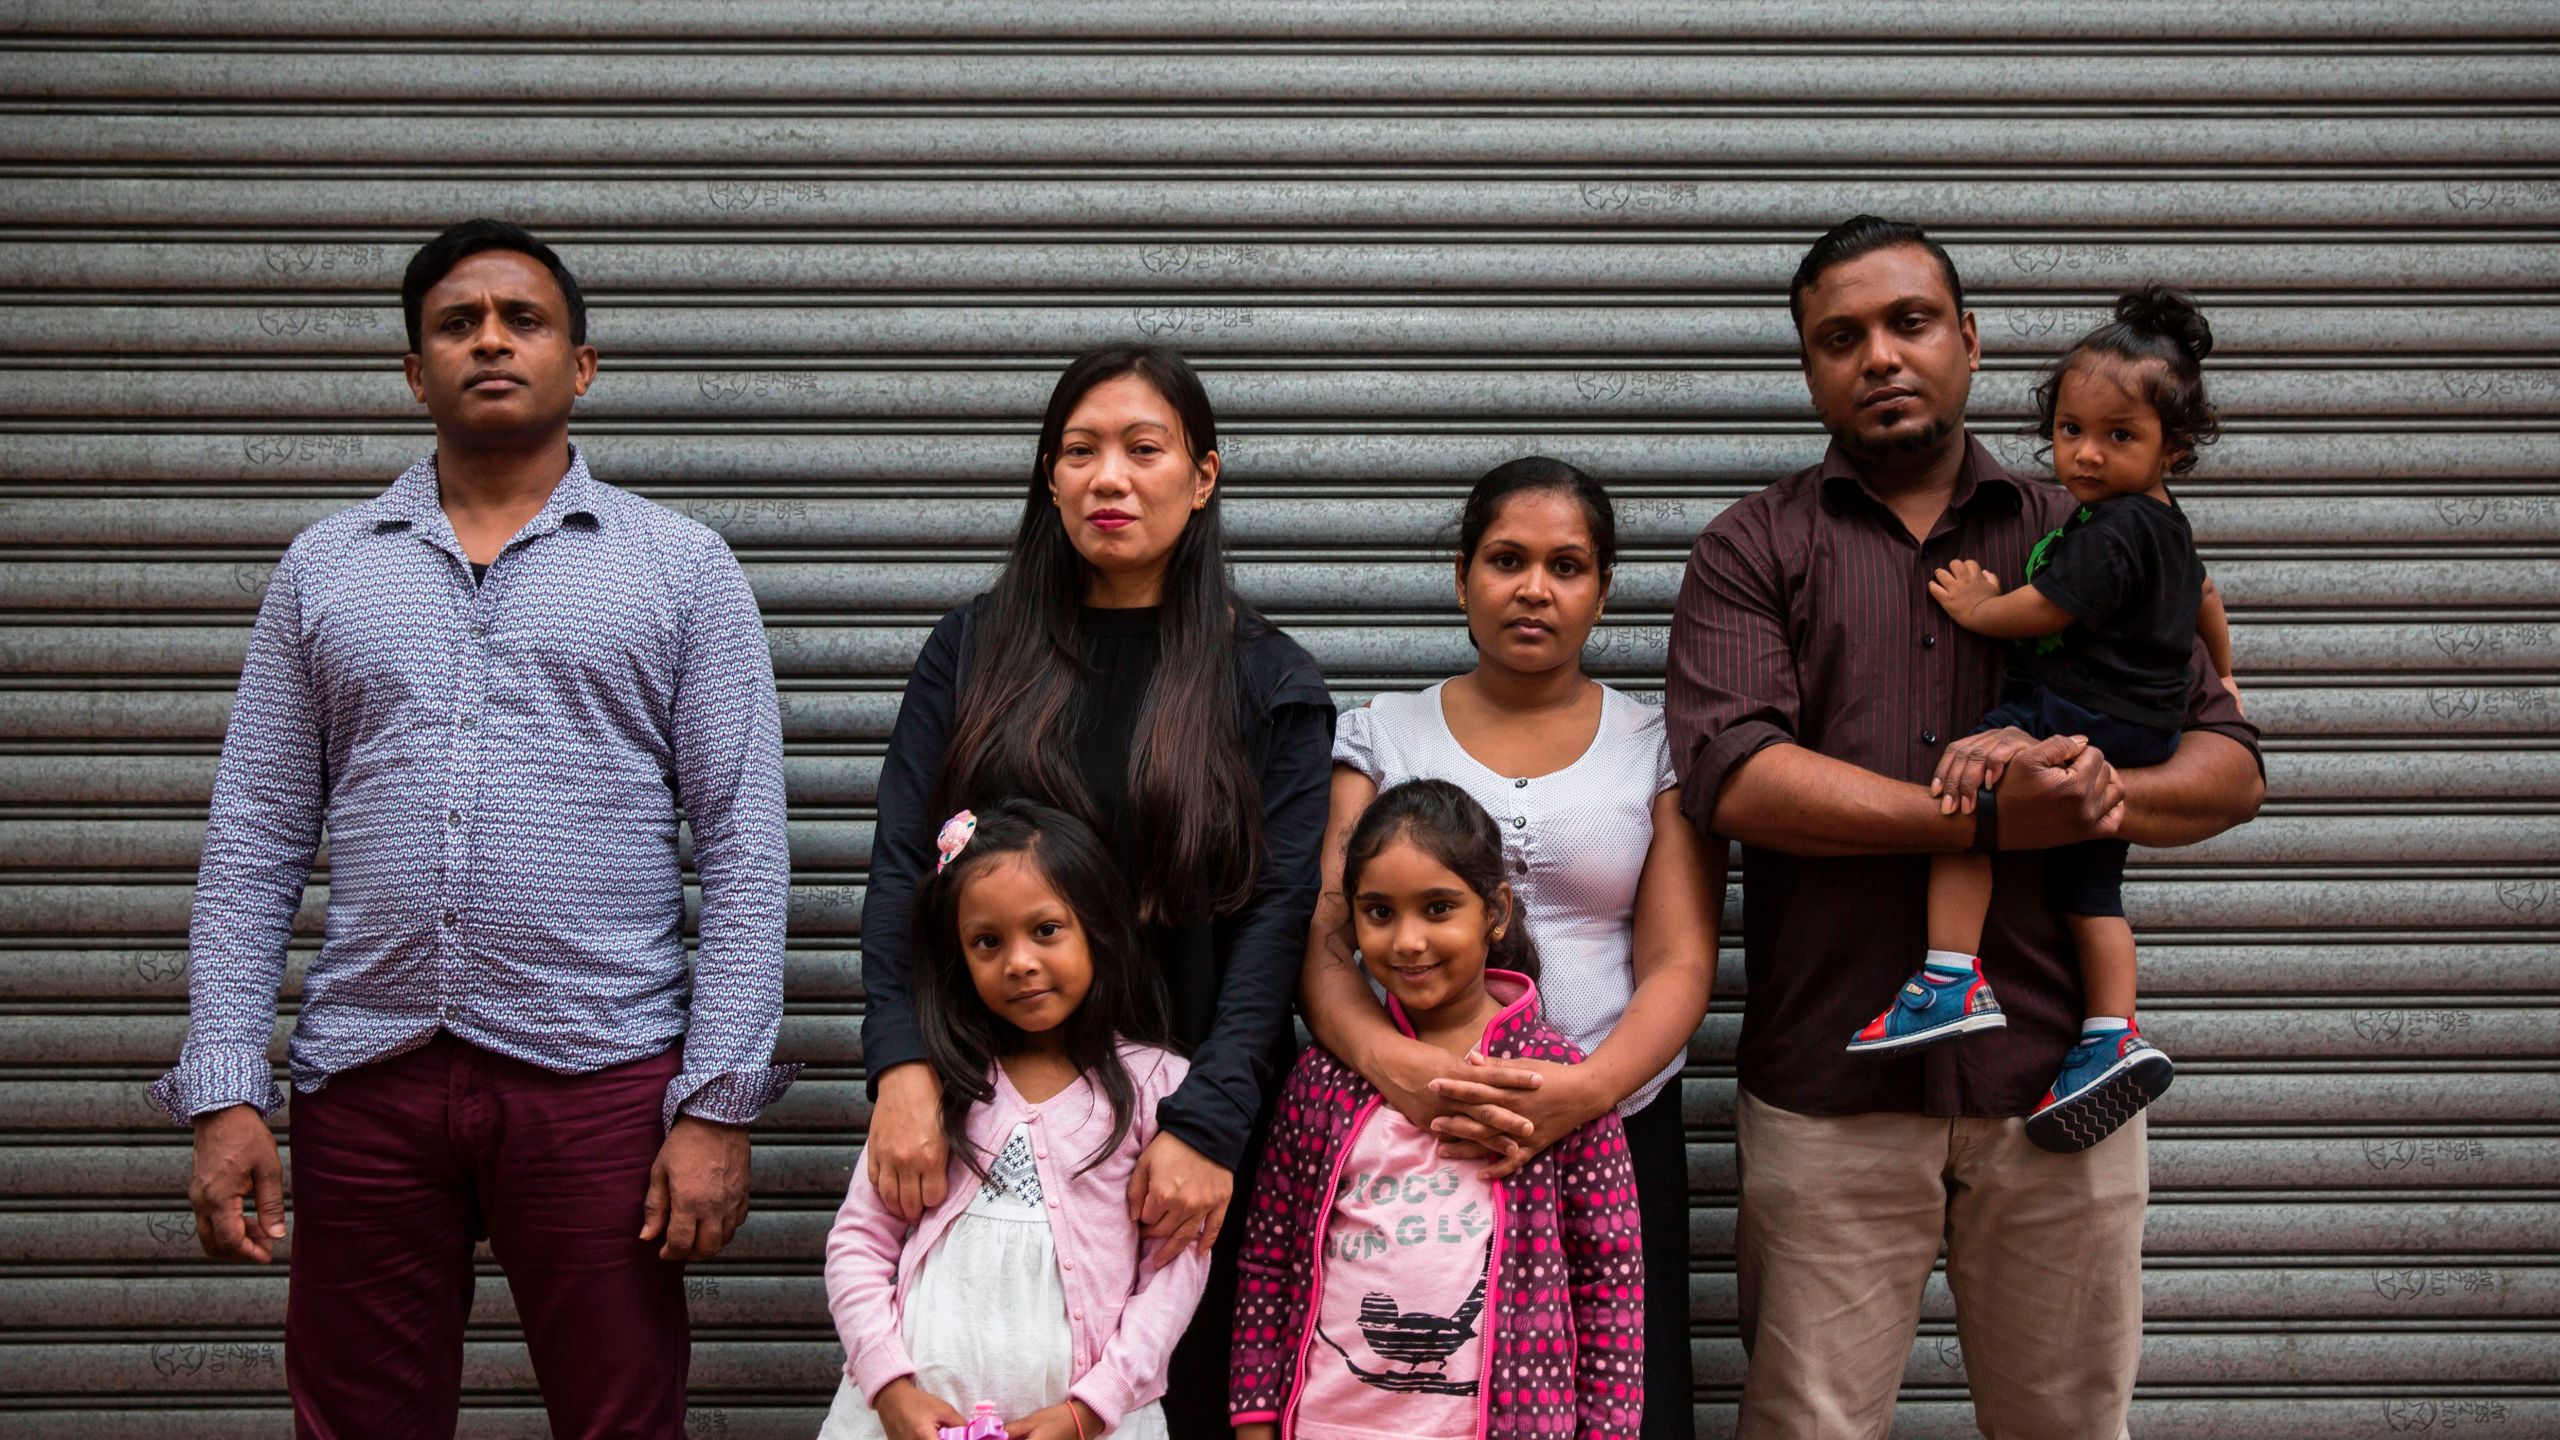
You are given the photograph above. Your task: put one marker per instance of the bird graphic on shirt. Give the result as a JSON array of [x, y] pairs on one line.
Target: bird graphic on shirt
[[1412, 1338]]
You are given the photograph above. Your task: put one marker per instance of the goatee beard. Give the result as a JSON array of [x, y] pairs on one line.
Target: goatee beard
[[1897, 447]]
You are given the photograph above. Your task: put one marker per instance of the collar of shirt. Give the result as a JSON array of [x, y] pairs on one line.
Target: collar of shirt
[[1983, 481], [414, 505]]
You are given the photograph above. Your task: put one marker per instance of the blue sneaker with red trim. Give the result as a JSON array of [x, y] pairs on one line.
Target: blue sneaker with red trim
[[1933, 1006], [2105, 1079]]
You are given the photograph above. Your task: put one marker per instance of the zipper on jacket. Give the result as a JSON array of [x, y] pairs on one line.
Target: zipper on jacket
[[1315, 1286], [1492, 1310]]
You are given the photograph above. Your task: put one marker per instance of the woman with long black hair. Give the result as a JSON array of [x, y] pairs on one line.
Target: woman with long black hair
[[1111, 672]]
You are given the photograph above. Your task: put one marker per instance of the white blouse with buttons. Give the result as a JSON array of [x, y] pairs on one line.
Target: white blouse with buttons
[[1574, 843]]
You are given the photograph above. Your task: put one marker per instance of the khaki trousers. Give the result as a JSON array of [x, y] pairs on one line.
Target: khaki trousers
[[1841, 1219]]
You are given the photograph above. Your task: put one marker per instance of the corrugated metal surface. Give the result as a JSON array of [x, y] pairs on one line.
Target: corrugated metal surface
[[836, 253]]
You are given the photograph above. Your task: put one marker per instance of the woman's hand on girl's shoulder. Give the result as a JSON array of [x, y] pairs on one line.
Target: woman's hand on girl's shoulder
[[1562, 1100], [908, 1411], [908, 1158]]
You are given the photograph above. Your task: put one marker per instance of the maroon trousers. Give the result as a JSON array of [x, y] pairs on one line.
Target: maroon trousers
[[399, 1166]]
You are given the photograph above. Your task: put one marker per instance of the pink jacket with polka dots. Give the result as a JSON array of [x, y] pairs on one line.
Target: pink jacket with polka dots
[[1564, 1314]]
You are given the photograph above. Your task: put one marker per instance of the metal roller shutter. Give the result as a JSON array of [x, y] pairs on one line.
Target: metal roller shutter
[[836, 255]]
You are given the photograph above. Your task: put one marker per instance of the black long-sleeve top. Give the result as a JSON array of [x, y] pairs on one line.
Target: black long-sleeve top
[[1230, 979]]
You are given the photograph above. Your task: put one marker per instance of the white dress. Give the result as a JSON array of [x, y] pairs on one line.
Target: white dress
[[986, 1316], [1573, 843]]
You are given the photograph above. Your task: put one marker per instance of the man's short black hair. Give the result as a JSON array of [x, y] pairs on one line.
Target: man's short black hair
[[437, 257], [1864, 235]]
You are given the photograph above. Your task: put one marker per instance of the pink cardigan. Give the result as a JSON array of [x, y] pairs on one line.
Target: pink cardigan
[[1564, 1314], [1124, 1318]]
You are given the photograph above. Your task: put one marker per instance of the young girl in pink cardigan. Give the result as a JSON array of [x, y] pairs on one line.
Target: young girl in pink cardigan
[[1025, 1286], [1388, 1290]]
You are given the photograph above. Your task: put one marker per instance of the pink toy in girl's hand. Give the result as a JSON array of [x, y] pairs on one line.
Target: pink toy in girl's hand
[[983, 1425]]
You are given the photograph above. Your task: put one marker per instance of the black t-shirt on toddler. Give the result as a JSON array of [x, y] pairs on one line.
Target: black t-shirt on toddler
[[2126, 570]]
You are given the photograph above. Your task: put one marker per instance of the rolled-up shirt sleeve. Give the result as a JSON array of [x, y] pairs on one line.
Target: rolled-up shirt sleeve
[[1731, 687], [270, 797], [2211, 705], [728, 749]]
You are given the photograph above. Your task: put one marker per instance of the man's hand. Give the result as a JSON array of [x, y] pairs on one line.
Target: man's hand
[[909, 1158], [2237, 703], [1058, 1422], [1178, 1196], [1973, 762], [1961, 587], [235, 1159], [2059, 792], [908, 1411], [1563, 1101], [697, 1189]]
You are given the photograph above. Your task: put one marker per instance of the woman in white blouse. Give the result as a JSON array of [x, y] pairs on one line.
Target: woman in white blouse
[[1623, 897]]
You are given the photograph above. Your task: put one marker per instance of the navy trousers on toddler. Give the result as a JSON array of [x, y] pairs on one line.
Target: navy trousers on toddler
[[2087, 878], [2112, 1072]]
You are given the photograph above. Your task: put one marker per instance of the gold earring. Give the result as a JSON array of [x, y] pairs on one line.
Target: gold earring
[[1497, 933]]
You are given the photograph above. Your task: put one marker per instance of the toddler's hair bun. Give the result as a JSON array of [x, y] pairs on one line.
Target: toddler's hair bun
[[2159, 310]]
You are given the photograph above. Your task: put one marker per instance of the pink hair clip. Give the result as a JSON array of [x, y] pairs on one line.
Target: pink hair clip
[[954, 838]]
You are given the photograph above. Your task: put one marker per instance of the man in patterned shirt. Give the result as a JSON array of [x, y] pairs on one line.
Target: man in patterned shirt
[[492, 686]]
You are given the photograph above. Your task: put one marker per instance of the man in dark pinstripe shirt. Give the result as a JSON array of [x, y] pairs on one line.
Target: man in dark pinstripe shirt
[[1813, 685]]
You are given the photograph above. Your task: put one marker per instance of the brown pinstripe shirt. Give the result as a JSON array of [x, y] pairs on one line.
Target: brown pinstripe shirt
[[1805, 618]]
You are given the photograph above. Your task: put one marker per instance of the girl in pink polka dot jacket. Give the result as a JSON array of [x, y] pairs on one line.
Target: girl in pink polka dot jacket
[[1387, 1289]]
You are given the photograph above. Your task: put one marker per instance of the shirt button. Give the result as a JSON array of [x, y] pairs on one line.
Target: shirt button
[[1520, 784], [466, 722], [1928, 642], [1053, 1202], [1066, 1264], [1519, 822], [1043, 1154], [451, 918], [453, 1012], [1928, 737], [453, 817], [478, 631], [1523, 866]]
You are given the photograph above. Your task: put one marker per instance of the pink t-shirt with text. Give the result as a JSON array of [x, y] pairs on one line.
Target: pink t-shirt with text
[[1399, 1343]]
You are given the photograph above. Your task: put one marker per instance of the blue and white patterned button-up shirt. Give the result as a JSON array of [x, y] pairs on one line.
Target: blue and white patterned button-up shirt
[[498, 767]]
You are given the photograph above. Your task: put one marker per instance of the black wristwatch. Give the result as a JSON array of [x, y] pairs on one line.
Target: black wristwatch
[[1986, 821]]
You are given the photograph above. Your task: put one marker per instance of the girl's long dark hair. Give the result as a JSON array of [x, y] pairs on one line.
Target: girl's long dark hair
[[1453, 829], [1193, 825], [963, 1038]]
